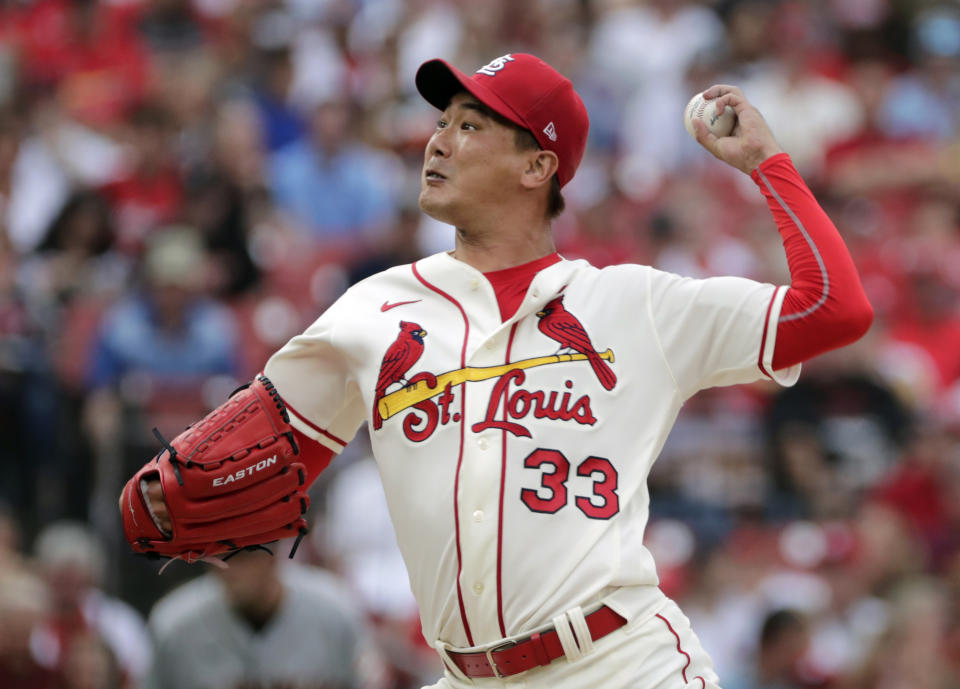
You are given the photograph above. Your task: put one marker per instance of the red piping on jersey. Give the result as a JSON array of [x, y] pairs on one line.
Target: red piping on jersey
[[763, 339], [314, 426], [680, 650], [463, 424], [503, 476]]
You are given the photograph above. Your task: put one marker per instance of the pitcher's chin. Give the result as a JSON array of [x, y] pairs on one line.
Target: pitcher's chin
[[432, 205]]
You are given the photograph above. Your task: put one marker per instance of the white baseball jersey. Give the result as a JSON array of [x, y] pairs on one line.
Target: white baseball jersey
[[514, 455]]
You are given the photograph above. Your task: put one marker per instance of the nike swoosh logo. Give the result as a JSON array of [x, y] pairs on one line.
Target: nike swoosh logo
[[387, 306]]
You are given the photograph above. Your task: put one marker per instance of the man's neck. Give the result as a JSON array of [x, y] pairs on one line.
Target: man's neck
[[503, 248]]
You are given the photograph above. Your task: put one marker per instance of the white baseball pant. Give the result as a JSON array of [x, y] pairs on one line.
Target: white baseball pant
[[656, 652]]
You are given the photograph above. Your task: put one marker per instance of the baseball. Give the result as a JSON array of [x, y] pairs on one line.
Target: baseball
[[706, 110]]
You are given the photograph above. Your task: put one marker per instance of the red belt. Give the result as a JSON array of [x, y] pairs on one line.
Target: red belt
[[542, 648]]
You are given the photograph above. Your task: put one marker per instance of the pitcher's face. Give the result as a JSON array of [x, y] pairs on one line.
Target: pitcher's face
[[471, 163]]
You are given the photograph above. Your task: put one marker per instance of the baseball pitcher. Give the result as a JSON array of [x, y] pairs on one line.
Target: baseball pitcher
[[515, 400]]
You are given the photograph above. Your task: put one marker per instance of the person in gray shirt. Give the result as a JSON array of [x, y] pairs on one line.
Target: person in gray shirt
[[260, 623]]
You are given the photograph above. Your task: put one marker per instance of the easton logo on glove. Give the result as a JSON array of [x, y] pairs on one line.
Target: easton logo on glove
[[260, 466], [231, 481]]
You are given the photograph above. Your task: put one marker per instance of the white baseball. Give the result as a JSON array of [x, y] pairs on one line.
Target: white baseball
[[706, 110]]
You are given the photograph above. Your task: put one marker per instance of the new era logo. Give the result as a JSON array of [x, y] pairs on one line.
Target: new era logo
[[494, 66], [550, 131]]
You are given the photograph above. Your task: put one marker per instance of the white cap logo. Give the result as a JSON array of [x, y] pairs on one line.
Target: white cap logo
[[494, 66], [550, 131]]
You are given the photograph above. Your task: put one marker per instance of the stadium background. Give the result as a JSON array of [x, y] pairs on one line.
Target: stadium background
[[185, 185]]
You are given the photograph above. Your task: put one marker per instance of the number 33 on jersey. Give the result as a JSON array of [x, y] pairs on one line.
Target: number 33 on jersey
[[485, 431]]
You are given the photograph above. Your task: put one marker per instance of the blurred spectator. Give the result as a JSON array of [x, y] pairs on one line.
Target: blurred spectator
[[218, 208], [260, 623], [148, 192], [72, 560], [854, 616], [91, 664], [272, 80], [337, 188], [912, 651], [27, 394], [10, 133], [887, 553], [921, 489], [24, 603], [792, 82], [832, 435], [75, 258], [398, 247], [162, 357], [784, 639], [32, 186], [643, 50], [925, 102], [84, 50], [726, 612], [170, 26], [926, 327], [170, 332], [9, 539], [238, 153]]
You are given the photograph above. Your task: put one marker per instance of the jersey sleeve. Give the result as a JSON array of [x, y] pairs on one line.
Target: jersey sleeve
[[312, 374], [717, 331]]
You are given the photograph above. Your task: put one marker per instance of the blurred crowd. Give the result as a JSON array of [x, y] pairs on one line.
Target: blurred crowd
[[185, 184]]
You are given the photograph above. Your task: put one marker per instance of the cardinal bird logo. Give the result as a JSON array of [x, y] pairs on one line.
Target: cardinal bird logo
[[399, 358], [559, 324]]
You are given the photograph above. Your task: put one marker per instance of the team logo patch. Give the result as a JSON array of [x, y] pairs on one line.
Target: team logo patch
[[559, 324], [494, 66], [550, 131], [400, 356], [429, 397]]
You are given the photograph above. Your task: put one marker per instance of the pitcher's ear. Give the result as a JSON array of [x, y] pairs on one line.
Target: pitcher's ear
[[541, 167]]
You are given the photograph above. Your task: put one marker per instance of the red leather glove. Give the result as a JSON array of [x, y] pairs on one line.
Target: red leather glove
[[231, 481]]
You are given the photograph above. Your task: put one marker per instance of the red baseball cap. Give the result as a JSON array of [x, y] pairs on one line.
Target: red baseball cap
[[528, 92]]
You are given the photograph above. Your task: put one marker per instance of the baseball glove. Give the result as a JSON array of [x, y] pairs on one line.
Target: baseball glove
[[230, 482]]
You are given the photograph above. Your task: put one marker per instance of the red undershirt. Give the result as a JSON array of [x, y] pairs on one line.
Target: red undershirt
[[511, 284]]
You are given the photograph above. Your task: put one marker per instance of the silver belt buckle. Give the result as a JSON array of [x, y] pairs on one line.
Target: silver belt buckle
[[491, 651]]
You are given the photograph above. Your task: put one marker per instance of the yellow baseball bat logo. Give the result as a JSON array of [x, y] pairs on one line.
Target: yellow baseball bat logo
[[397, 401]]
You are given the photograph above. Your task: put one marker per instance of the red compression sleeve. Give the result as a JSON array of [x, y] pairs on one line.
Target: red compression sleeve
[[825, 306], [315, 457]]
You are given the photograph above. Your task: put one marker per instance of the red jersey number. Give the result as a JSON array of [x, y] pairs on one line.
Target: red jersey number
[[603, 503], [553, 481]]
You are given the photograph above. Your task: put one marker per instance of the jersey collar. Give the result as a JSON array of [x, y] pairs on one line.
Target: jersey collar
[[473, 291]]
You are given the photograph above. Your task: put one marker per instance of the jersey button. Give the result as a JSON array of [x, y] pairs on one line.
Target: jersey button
[[478, 516], [482, 443], [478, 589], [474, 285], [491, 344]]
